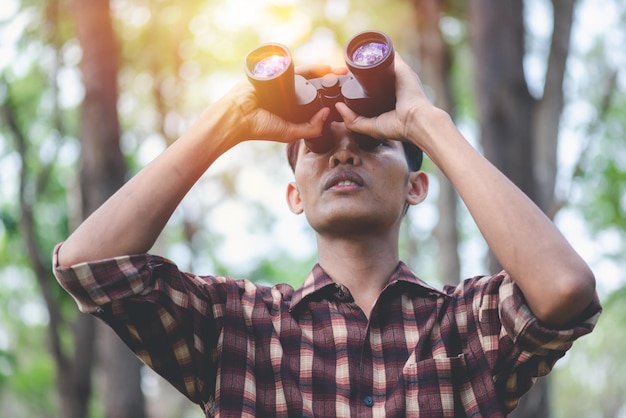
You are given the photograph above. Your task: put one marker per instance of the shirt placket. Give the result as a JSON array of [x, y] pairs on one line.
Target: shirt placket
[[361, 365]]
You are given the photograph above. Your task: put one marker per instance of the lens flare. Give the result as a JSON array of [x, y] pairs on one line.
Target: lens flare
[[271, 66], [370, 54]]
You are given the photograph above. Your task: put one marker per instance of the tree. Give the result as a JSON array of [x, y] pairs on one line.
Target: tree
[[36, 180], [519, 133], [103, 171]]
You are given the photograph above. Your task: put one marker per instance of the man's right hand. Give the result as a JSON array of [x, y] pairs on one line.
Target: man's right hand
[[256, 123]]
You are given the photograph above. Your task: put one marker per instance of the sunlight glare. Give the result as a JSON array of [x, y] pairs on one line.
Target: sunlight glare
[[320, 48], [274, 20], [8, 9], [336, 10]]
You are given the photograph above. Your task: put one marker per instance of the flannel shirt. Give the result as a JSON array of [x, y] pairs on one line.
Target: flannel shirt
[[241, 349]]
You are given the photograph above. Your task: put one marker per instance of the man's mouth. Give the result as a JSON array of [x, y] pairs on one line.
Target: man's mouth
[[343, 180]]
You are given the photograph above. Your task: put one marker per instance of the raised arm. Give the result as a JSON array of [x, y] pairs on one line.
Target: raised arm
[[557, 284], [132, 219]]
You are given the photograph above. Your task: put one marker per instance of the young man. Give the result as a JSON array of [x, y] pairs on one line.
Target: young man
[[363, 336]]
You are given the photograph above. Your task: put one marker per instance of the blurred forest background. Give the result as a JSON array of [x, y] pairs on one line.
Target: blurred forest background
[[92, 90]]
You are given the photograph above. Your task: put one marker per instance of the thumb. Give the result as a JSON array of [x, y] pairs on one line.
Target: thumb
[[311, 129]]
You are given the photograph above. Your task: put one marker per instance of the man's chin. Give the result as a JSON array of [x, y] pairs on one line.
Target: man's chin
[[347, 224]]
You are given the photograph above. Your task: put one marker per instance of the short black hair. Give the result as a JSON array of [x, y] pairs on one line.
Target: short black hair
[[414, 155]]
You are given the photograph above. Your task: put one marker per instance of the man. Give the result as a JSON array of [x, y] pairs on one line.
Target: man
[[363, 336]]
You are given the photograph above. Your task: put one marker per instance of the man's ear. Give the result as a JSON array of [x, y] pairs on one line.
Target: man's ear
[[293, 198], [418, 187]]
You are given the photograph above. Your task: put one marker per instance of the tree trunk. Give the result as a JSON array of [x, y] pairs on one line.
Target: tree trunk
[[505, 111], [505, 106], [123, 397], [103, 171], [519, 134], [74, 377]]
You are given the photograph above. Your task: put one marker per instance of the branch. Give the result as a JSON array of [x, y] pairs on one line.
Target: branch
[[549, 109], [27, 226]]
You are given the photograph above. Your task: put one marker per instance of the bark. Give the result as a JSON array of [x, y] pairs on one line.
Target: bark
[[505, 106], [519, 134], [550, 106], [102, 164], [103, 172], [434, 71]]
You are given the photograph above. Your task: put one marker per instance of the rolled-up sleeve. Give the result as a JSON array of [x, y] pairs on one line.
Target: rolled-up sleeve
[[95, 284], [165, 316], [530, 334], [528, 349]]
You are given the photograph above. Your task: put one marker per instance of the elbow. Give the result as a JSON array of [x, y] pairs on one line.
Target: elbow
[[69, 254], [569, 298], [64, 256]]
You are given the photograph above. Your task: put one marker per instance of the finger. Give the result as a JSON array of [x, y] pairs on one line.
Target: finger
[[346, 113], [339, 70], [354, 122], [311, 129], [406, 77]]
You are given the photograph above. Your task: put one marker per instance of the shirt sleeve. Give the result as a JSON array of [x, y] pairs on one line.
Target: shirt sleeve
[[518, 347], [170, 319]]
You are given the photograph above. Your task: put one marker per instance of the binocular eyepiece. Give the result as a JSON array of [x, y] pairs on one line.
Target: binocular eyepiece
[[368, 89]]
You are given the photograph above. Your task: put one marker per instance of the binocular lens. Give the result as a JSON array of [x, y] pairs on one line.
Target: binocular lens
[[370, 54], [270, 67], [368, 90]]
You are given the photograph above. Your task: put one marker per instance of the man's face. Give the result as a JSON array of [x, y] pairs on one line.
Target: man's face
[[361, 185]]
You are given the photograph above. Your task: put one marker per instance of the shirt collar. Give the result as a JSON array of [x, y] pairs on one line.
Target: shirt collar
[[318, 280]]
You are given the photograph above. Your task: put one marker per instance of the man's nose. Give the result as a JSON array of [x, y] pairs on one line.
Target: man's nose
[[345, 151]]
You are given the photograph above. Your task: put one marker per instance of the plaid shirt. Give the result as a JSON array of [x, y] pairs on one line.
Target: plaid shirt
[[241, 349]]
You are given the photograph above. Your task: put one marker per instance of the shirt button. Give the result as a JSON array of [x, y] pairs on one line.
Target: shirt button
[[369, 401]]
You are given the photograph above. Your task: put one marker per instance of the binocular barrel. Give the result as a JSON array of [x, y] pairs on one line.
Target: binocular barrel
[[270, 70], [369, 88], [370, 58]]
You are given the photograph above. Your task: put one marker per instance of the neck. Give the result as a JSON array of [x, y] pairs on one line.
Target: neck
[[363, 264]]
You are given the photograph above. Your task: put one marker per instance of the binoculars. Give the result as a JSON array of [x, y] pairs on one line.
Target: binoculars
[[368, 89]]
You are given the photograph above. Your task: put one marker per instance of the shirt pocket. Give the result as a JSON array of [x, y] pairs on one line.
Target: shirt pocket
[[432, 386]]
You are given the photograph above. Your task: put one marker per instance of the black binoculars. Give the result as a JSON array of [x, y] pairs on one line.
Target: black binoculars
[[368, 89]]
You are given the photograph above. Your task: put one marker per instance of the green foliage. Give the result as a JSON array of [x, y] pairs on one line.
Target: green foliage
[[605, 173], [600, 183], [32, 382], [7, 366], [33, 135], [284, 269]]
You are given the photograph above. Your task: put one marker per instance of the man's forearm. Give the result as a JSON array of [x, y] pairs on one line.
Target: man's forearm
[[131, 220], [556, 282]]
